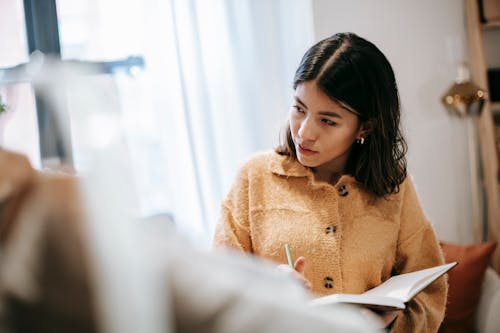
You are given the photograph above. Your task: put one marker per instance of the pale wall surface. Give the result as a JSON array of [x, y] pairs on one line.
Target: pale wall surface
[[424, 41]]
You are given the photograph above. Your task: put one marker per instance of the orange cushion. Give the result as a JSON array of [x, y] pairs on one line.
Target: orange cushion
[[465, 282]]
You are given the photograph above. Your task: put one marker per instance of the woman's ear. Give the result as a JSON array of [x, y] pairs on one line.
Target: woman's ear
[[365, 129]]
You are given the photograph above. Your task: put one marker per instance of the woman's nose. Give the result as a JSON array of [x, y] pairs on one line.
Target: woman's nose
[[307, 132]]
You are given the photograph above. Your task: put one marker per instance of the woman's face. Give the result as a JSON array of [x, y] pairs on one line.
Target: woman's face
[[322, 130]]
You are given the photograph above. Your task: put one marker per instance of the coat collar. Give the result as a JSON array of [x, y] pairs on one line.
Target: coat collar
[[284, 166]]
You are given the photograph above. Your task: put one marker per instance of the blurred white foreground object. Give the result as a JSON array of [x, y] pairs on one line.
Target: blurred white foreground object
[[143, 276]]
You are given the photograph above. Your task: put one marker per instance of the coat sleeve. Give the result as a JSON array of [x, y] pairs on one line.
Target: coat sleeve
[[233, 227], [417, 249]]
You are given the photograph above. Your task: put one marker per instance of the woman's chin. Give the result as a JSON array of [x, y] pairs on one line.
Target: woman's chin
[[306, 161]]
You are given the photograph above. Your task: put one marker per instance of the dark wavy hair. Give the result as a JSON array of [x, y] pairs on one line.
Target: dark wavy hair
[[355, 73]]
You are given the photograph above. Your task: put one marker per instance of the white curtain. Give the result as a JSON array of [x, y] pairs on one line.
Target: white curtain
[[227, 74], [216, 87]]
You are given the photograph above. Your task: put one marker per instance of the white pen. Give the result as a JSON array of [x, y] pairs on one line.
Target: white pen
[[289, 255]]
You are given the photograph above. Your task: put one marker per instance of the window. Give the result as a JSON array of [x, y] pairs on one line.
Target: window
[[18, 126], [197, 87]]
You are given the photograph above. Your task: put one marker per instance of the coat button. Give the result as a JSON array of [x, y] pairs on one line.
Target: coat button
[[330, 229], [328, 282], [343, 190]]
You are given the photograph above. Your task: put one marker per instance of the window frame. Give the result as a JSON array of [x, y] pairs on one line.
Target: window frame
[[42, 32]]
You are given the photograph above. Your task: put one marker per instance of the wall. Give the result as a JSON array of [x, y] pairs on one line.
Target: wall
[[424, 40]]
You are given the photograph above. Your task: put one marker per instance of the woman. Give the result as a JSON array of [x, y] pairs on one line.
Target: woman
[[337, 189]]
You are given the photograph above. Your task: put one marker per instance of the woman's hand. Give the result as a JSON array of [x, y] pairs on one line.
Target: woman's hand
[[385, 318], [297, 272]]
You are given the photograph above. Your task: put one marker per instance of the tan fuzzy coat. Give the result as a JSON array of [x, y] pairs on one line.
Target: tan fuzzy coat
[[352, 240]]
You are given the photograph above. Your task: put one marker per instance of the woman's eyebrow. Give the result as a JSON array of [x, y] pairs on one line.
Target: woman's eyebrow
[[297, 99], [323, 113], [330, 114]]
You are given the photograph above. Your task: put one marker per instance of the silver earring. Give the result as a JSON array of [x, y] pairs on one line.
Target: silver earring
[[361, 140]]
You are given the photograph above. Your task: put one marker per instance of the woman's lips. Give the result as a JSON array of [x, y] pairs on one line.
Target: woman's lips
[[305, 151]]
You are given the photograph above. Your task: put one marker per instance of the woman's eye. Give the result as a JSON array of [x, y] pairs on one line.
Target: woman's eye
[[298, 108], [328, 122]]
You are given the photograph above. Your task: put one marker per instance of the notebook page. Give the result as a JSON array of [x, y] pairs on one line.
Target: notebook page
[[405, 286]]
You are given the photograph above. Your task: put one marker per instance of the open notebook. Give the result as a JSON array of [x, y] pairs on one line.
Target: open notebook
[[393, 293]]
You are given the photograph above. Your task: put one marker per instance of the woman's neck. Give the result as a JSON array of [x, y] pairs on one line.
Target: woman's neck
[[327, 176], [330, 172]]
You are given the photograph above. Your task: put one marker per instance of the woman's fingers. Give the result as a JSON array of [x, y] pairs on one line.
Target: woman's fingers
[[300, 265], [306, 283], [296, 274], [389, 316]]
